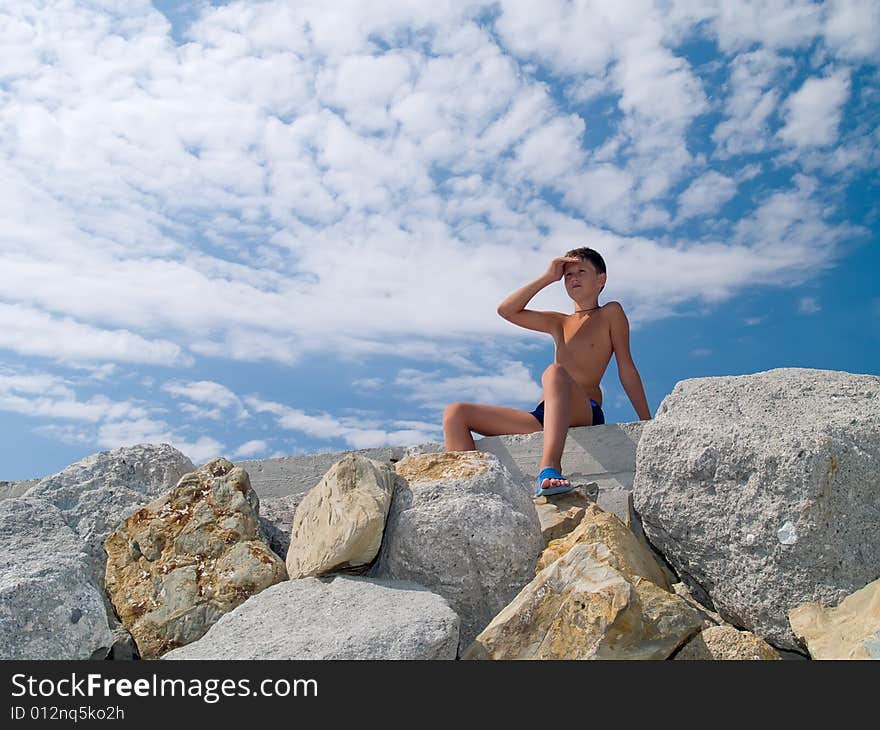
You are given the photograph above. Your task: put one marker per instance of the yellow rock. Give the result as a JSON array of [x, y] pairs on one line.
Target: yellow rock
[[177, 565], [339, 523], [626, 553], [727, 643], [560, 513], [851, 630], [452, 465], [580, 608]]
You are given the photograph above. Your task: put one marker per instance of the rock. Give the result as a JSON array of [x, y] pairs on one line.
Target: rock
[[623, 551], [710, 617], [10, 490], [276, 520], [49, 606], [580, 608], [727, 643], [559, 514], [178, 564], [332, 618], [339, 523], [462, 526], [762, 489], [849, 631], [96, 493], [124, 647]]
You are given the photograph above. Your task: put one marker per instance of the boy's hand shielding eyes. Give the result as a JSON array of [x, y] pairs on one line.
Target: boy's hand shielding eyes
[[557, 267]]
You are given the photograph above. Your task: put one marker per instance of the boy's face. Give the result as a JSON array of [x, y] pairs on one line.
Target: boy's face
[[582, 278]]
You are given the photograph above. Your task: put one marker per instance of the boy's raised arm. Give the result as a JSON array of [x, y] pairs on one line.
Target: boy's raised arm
[[513, 308]]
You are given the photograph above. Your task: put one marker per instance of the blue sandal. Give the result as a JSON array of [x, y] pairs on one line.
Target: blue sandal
[[548, 472]]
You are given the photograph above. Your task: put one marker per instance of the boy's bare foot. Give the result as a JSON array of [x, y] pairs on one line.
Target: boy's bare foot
[[550, 481]]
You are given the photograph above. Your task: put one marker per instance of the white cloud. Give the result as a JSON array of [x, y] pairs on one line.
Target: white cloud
[[43, 395], [251, 448], [738, 25], [209, 392], [852, 28], [814, 111], [29, 331], [706, 195], [808, 305], [753, 99], [354, 431], [513, 384]]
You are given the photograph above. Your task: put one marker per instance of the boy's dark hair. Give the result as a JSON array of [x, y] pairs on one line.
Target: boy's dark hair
[[591, 255]]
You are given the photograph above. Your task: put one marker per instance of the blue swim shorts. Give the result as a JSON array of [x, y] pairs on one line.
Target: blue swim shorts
[[598, 416]]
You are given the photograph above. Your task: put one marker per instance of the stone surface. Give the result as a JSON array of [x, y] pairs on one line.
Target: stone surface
[[460, 525], [627, 553], [339, 523], [850, 630], [559, 514], [49, 606], [710, 617], [727, 643], [15, 489], [276, 520], [581, 608], [762, 489], [96, 493], [333, 618], [181, 562]]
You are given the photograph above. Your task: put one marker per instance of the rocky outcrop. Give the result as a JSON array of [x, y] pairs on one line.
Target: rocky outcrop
[[762, 490], [332, 618], [623, 551], [579, 607], [559, 514], [339, 523], [850, 630], [97, 492], [462, 526], [728, 644], [50, 608], [178, 564]]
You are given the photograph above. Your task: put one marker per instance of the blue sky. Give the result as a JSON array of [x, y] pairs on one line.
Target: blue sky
[[267, 228]]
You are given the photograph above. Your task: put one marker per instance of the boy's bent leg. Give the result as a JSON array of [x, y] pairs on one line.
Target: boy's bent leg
[[459, 419], [562, 396]]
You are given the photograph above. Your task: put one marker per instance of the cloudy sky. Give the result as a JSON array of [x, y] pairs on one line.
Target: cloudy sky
[[269, 228]]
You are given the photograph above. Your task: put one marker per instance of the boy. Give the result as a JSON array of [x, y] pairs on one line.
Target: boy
[[585, 341]]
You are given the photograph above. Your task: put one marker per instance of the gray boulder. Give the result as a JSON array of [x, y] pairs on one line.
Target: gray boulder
[[764, 490], [96, 493], [49, 606], [339, 618], [462, 526]]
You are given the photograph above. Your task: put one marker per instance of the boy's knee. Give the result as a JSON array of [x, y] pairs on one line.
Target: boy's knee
[[453, 412], [554, 370]]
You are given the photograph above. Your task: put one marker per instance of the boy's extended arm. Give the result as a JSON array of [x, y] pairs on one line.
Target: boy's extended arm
[[626, 368], [517, 301]]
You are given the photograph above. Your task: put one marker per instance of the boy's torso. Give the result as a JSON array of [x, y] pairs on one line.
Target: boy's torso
[[583, 348]]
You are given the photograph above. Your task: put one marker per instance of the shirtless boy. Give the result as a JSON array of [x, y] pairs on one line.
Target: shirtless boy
[[585, 341]]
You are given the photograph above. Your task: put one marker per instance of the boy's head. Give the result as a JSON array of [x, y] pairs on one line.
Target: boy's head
[[591, 256]]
